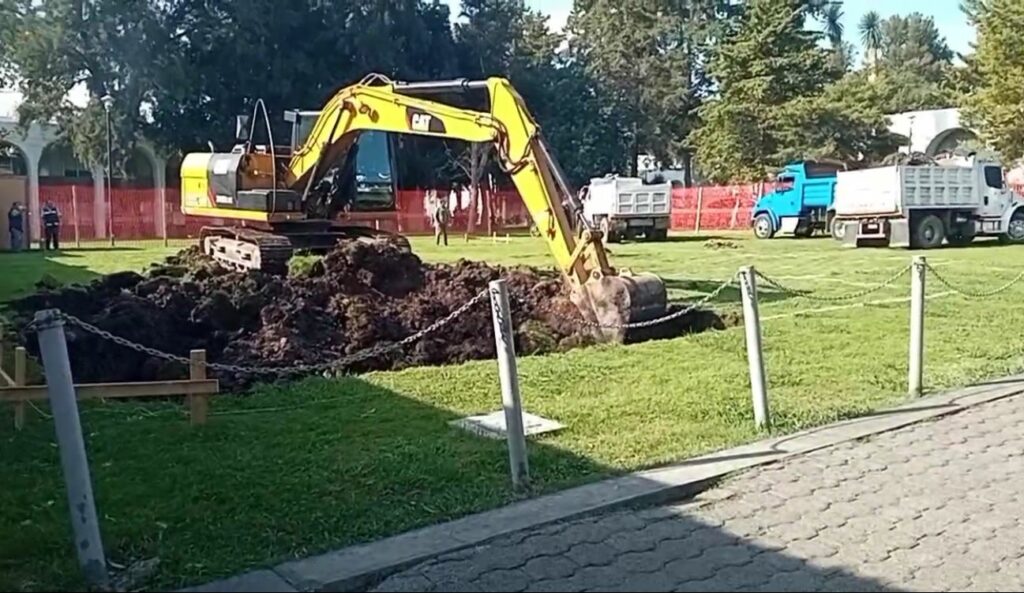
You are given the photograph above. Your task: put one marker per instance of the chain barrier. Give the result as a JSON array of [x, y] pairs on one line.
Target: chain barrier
[[323, 367], [807, 294], [674, 315], [972, 293]]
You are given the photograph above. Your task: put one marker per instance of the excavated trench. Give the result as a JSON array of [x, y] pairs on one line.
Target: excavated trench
[[360, 295]]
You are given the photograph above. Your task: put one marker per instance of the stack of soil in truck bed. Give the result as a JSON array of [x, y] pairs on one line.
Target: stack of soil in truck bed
[[360, 295]]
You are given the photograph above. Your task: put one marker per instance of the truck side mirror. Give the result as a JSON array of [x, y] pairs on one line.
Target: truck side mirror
[[242, 128]]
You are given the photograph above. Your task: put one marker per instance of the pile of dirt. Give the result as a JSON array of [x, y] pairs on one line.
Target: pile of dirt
[[358, 296]]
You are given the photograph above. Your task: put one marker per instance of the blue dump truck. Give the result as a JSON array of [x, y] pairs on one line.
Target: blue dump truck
[[802, 202]]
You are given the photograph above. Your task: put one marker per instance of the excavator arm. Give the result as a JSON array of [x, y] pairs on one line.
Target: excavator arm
[[604, 296]]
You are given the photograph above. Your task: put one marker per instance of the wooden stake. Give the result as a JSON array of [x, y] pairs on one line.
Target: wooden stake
[[198, 405], [19, 381]]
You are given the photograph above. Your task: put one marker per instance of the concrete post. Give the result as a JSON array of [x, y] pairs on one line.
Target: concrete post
[[915, 379], [54, 351], [755, 359], [504, 341], [99, 203]]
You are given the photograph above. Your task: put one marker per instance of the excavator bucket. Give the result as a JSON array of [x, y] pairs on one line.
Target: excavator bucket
[[610, 302]]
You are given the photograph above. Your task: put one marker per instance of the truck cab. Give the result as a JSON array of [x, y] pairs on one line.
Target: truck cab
[[801, 203]]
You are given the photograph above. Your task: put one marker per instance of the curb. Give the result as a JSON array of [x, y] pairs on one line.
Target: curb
[[359, 567]]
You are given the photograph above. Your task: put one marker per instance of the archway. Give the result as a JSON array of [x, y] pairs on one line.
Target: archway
[[13, 188], [949, 141], [59, 165]]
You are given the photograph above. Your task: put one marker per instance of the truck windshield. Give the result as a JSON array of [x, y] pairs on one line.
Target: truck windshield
[[784, 183]]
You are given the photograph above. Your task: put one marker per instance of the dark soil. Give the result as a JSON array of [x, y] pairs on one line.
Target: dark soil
[[360, 295]]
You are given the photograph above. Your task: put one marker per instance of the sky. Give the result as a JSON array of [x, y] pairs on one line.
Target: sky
[[948, 18]]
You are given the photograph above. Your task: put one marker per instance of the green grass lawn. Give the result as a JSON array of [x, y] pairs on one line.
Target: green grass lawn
[[300, 468]]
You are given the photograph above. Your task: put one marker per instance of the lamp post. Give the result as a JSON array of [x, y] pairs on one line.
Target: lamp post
[[108, 102]]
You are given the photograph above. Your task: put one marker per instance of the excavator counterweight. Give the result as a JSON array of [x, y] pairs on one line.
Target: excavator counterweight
[[287, 198]]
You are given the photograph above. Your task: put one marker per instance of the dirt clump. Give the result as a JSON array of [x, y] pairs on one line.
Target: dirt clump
[[359, 296]]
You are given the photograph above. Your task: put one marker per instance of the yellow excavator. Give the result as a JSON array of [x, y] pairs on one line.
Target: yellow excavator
[[282, 199]]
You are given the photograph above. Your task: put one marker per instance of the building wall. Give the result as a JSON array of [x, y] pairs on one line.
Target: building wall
[[928, 129]]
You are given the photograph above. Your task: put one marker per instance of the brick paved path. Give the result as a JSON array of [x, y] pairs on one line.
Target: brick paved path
[[937, 506]]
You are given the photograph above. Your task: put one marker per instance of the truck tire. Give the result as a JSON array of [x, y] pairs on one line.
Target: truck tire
[[609, 235], [837, 228], [1015, 230], [657, 235], [928, 233], [763, 227]]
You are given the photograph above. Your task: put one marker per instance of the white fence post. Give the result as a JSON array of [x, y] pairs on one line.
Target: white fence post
[[53, 349], [915, 379], [504, 341], [752, 324]]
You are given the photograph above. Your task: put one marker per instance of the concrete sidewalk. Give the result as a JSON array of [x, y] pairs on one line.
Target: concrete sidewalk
[[783, 513], [932, 507]]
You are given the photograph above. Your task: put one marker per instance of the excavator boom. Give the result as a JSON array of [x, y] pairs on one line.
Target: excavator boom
[[605, 297]]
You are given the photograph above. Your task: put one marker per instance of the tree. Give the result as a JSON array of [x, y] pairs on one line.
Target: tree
[[576, 116], [830, 14], [107, 47], [765, 73], [996, 108], [871, 37], [292, 55], [648, 56], [913, 62]]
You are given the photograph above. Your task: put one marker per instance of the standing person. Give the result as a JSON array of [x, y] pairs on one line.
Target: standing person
[[51, 226], [442, 216], [16, 225]]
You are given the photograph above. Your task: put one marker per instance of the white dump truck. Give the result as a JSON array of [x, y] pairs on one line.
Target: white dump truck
[[921, 205], [624, 207]]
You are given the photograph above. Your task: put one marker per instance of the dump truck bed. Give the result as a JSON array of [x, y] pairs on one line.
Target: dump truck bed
[[895, 190]]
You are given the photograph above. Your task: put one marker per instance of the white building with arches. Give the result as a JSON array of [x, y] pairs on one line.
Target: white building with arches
[[38, 155], [932, 132]]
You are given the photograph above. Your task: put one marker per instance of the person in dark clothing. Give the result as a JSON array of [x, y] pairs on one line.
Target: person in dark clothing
[[16, 225], [51, 227], [442, 217]]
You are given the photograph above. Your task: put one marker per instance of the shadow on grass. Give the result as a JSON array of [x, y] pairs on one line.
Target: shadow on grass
[[290, 471], [730, 295]]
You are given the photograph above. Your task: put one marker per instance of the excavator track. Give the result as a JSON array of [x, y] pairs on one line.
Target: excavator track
[[241, 248]]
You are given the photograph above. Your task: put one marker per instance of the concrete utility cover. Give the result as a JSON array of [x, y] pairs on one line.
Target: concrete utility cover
[[493, 425]]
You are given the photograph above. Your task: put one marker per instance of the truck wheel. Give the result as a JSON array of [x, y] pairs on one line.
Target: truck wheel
[[1014, 230], [763, 227], [659, 235], [928, 233], [609, 235], [837, 228]]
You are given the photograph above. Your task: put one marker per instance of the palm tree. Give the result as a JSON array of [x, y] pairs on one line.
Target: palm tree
[[871, 37], [832, 17]]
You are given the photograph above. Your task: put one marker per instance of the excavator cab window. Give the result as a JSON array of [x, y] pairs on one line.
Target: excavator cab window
[[302, 124], [374, 172]]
